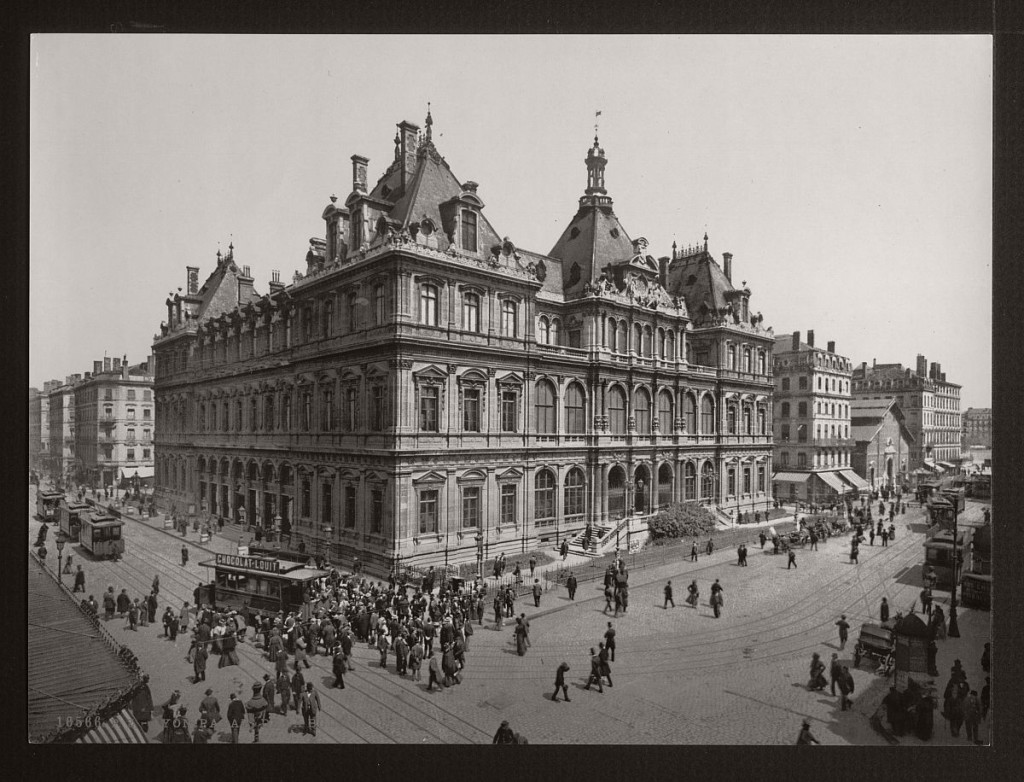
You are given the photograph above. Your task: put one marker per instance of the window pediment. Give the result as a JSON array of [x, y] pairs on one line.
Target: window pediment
[[431, 373], [429, 280], [510, 475], [432, 477], [472, 476], [511, 379], [472, 377]]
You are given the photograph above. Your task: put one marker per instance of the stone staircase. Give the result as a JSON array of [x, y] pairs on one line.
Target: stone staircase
[[602, 539]]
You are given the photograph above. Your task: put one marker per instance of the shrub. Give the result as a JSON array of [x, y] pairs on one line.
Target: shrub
[[681, 520]]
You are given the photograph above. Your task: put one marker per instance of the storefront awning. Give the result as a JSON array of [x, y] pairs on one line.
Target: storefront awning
[[834, 481], [143, 471], [122, 728], [792, 477], [854, 480]]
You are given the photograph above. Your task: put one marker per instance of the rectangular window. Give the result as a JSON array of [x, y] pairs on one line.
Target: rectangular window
[[146, 413], [131, 455], [760, 478], [801, 460], [508, 504], [107, 394], [785, 459], [305, 499], [471, 410], [802, 382], [376, 511], [785, 384], [131, 435], [509, 402], [428, 408], [471, 506], [327, 423], [147, 396], [145, 453], [326, 504], [746, 480], [350, 507], [471, 312], [131, 395], [731, 474], [378, 304], [307, 411], [130, 412], [469, 231], [428, 511], [508, 318], [377, 408]]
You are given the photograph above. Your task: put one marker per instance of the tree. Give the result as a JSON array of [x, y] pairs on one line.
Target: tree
[[681, 520]]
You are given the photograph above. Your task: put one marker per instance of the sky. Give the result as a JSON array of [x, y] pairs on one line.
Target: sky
[[851, 177]]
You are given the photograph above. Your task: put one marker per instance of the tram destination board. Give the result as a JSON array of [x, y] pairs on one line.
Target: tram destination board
[[249, 563]]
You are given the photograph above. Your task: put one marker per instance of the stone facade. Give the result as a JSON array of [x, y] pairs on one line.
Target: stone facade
[[812, 421], [62, 426], [977, 427], [930, 404], [882, 454], [113, 423], [427, 391]]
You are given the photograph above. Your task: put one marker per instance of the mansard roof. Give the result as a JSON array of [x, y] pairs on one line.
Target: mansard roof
[[699, 279], [593, 240]]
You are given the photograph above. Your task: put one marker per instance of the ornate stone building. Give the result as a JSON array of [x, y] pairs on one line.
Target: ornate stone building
[[428, 391], [977, 427]]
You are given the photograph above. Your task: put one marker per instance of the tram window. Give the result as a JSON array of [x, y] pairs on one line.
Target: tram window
[[115, 533], [274, 588], [261, 586]]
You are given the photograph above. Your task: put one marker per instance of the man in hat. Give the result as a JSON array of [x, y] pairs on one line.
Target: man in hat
[[844, 631], [211, 706], [142, 704], [537, 589], [805, 736], [504, 734], [79, 580], [269, 691], [310, 704], [338, 667], [200, 654], [256, 711], [595, 671], [609, 637], [184, 553], [835, 671], [560, 683], [571, 584], [236, 716]]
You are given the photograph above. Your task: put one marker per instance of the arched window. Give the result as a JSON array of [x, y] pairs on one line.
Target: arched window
[[730, 419], [286, 412], [327, 316], [575, 410], [508, 318], [730, 362], [546, 421], [746, 359], [253, 414], [747, 422], [707, 415], [670, 347], [544, 333], [468, 231], [662, 347], [351, 302], [690, 413], [761, 421], [707, 482], [648, 339], [761, 362], [471, 312], [616, 493], [664, 486], [575, 493], [623, 332], [689, 482], [268, 413], [544, 498], [555, 329], [642, 411], [428, 304], [616, 410], [327, 413], [238, 415], [638, 339], [665, 412]]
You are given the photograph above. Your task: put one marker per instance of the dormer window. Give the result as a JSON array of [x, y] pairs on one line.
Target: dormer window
[[614, 233], [574, 232], [469, 243]]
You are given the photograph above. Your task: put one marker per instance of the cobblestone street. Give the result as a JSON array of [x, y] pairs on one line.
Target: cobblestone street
[[680, 675]]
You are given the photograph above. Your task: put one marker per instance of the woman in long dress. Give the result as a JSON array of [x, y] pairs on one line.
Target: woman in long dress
[[520, 637]]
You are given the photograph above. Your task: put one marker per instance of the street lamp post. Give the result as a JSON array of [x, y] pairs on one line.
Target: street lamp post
[[60, 553], [954, 627], [479, 555]]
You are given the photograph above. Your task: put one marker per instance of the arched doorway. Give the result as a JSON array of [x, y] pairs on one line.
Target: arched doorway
[[616, 493], [641, 489]]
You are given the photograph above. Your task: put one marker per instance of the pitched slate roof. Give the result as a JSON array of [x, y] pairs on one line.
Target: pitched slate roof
[[73, 668], [219, 293], [700, 280], [593, 240], [868, 415]]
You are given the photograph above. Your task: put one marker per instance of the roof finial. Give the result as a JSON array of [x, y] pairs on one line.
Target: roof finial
[[673, 249], [333, 198], [596, 115], [705, 241], [398, 146], [429, 121]]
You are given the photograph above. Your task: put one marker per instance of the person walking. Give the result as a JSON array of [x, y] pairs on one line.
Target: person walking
[[151, 606], [338, 668], [743, 554], [416, 661], [845, 689], [533, 564], [236, 716], [693, 552], [499, 608], [564, 549], [520, 636], [814, 539], [972, 716], [609, 641], [536, 588], [844, 631], [693, 593], [211, 706], [926, 602], [806, 737], [256, 711], [986, 697], [871, 536], [505, 735], [310, 704], [763, 538], [792, 559], [269, 693], [595, 671], [184, 554], [883, 611], [606, 669], [717, 601], [854, 552], [199, 659], [710, 547], [79, 580], [133, 615], [835, 671], [434, 671], [297, 686], [668, 596], [885, 538], [560, 683], [570, 584]]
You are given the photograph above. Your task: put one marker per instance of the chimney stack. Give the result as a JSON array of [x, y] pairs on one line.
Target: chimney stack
[[874, 363], [810, 337], [933, 370], [407, 150], [193, 280], [831, 346], [244, 286], [359, 173], [106, 363], [87, 376], [796, 341], [663, 271], [922, 365], [727, 263], [117, 364], [97, 367]]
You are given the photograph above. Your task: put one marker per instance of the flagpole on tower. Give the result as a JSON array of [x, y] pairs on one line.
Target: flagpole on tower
[[596, 115]]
